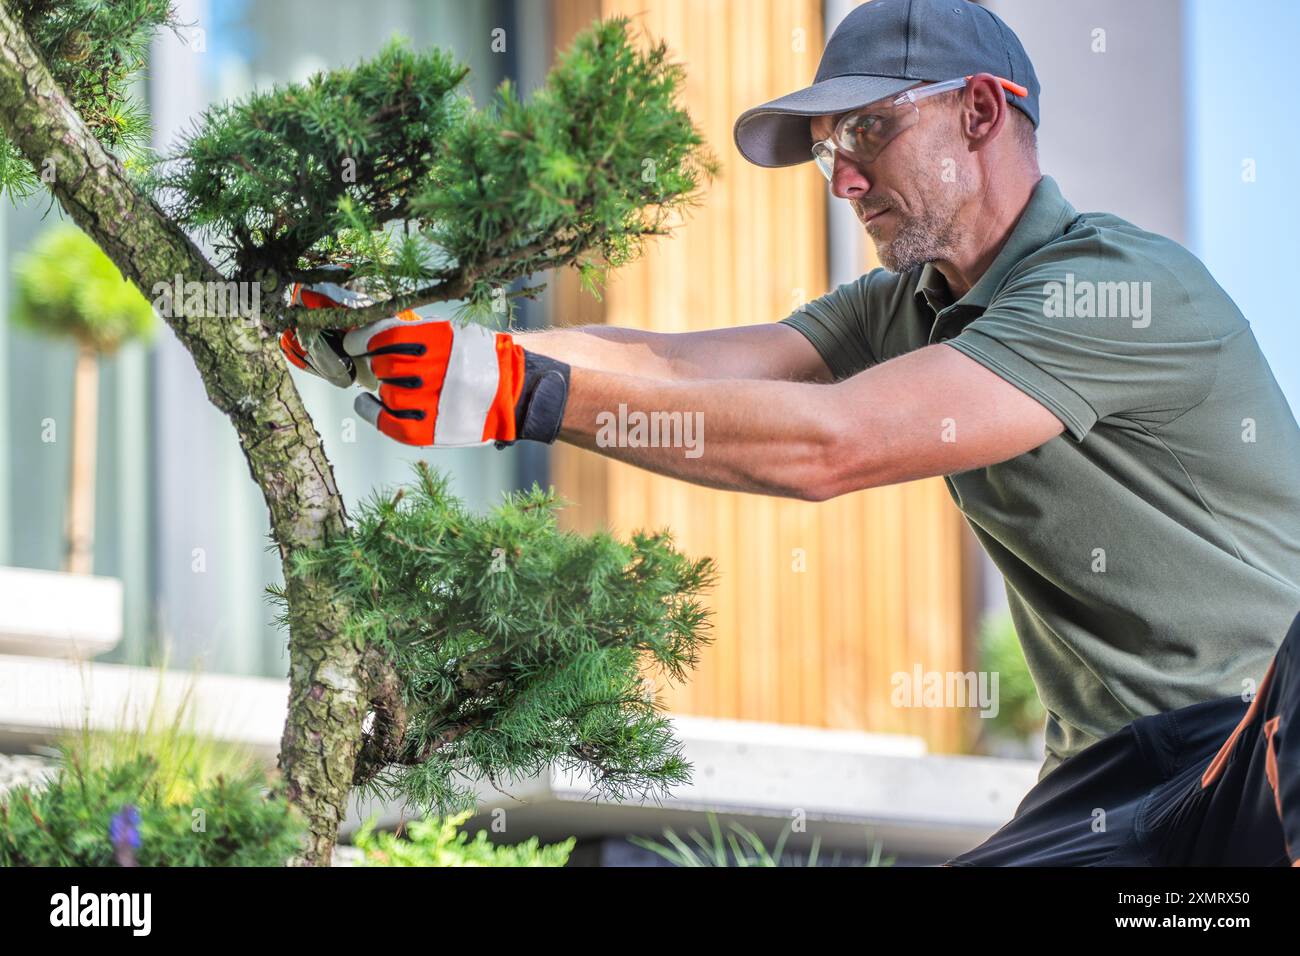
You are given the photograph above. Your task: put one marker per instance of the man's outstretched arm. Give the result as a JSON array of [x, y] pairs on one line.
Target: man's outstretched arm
[[767, 350], [933, 411]]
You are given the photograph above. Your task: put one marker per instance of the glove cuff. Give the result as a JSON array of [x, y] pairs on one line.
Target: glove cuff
[[539, 410]]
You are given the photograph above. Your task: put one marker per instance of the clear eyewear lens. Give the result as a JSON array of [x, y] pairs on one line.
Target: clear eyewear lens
[[863, 135], [824, 157]]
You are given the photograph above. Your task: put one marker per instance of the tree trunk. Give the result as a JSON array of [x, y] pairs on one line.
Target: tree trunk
[[244, 376], [79, 556]]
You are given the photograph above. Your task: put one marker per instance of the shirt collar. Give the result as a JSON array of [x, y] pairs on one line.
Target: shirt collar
[[1043, 220], [933, 288]]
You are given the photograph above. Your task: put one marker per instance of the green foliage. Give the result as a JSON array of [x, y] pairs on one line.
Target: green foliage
[[155, 762], [69, 822], [740, 847], [389, 170], [94, 49], [516, 645], [67, 286], [17, 178], [1020, 712], [265, 176], [436, 841], [160, 729], [598, 159]]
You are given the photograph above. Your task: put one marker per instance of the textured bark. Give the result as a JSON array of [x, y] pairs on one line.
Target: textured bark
[[244, 376]]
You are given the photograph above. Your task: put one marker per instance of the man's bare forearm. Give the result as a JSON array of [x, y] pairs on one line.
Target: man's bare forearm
[[608, 348], [764, 351], [763, 437]]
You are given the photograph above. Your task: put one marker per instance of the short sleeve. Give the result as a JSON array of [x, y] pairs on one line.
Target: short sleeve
[[836, 325], [1090, 338]]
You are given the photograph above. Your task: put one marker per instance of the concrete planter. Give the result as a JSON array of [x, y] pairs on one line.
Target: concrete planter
[[52, 614]]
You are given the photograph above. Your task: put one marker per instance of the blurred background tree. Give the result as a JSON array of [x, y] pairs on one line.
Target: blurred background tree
[[67, 288]]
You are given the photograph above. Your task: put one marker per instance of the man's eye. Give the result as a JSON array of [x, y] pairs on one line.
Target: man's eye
[[864, 124]]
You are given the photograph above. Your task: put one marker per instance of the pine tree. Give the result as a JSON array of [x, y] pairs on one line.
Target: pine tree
[[428, 646]]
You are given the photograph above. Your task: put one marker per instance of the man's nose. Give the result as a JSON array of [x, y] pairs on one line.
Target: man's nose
[[848, 179]]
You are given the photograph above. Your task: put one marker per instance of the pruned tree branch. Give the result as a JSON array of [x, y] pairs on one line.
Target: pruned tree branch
[[455, 287]]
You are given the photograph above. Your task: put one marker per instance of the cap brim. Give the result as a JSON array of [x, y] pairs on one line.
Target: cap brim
[[777, 134]]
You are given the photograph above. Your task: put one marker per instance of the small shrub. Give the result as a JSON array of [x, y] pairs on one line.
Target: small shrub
[[120, 814], [436, 841], [741, 847], [161, 728]]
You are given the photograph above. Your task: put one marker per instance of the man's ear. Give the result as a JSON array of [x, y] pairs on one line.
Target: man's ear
[[984, 109]]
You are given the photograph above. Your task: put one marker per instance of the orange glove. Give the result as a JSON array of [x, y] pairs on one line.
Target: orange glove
[[449, 386], [439, 384]]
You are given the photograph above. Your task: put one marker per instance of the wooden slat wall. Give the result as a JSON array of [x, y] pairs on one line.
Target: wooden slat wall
[[887, 581]]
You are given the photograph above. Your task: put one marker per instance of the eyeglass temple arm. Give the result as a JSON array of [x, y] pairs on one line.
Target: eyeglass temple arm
[[1007, 85]]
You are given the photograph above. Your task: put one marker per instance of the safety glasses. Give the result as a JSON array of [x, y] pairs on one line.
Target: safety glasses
[[864, 132]]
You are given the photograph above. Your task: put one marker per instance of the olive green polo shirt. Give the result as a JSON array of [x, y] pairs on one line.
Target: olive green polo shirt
[[1152, 551]]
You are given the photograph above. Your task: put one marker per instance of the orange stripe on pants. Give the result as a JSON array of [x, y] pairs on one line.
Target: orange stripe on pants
[[1215, 770]]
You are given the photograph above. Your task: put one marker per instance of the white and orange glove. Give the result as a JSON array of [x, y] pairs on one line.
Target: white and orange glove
[[439, 385]]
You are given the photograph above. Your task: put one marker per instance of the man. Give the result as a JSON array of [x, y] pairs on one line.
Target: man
[[1095, 402]]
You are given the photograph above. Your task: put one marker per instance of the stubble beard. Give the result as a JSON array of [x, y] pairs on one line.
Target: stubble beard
[[927, 237]]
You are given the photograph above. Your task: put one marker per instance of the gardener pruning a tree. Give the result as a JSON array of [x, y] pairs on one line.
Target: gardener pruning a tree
[[429, 648], [1096, 404]]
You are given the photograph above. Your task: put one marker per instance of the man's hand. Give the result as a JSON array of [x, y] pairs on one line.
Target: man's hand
[[321, 352], [439, 385], [457, 387]]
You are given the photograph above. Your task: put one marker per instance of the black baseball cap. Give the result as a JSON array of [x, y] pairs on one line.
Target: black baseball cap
[[881, 48]]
